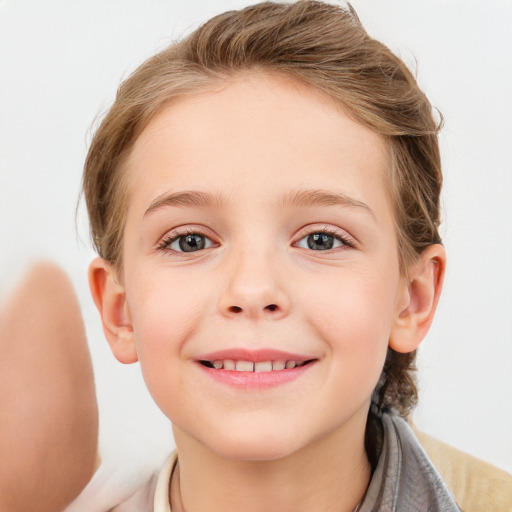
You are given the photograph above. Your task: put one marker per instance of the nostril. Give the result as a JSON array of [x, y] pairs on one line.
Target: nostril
[[235, 309], [271, 307]]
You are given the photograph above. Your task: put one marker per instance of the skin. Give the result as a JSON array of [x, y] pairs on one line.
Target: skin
[[253, 146], [48, 411]]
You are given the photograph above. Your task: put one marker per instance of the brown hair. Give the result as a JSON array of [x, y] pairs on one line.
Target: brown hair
[[322, 46]]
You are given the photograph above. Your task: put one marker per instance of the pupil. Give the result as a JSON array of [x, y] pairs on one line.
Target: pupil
[[191, 243], [320, 241]]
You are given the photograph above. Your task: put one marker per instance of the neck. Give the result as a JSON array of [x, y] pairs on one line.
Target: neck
[[329, 475]]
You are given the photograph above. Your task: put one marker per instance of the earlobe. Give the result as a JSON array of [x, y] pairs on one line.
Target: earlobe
[[419, 299], [110, 299]]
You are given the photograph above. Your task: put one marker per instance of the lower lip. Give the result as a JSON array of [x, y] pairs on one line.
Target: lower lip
[[255, 380]]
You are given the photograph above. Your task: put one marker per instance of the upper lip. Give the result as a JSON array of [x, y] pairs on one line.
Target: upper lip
[[260, 355]]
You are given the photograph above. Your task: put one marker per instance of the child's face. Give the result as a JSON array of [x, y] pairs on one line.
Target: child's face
[[259, 229]]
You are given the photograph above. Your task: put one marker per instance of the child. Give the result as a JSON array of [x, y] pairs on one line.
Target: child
[[264, 198]]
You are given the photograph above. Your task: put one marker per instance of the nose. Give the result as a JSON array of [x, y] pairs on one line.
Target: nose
[[254, 288]]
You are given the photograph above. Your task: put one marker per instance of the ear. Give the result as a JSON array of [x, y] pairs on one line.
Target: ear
[[110, 299], [417, 304]]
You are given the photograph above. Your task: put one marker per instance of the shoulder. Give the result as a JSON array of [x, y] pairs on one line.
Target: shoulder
[[476, 485], [112, 490]]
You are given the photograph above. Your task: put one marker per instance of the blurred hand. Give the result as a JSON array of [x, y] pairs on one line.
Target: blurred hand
[[48, 410]]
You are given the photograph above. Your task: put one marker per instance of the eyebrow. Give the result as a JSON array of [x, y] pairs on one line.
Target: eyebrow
[[295, 198], [189, 198], [319, 197]]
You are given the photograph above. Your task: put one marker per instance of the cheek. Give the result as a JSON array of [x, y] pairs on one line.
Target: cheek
[[354, 316], [164, 318], [166, 313]]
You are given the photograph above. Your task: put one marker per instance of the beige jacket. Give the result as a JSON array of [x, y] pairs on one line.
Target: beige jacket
[[477, 486]]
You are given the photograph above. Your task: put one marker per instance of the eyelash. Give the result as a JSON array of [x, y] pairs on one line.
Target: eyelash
[[168, 240], [344, 238], [165, 244]]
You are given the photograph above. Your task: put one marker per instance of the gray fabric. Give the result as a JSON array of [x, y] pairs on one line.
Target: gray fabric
[[405, 480]]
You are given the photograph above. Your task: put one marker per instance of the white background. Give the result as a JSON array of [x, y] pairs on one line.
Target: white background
[[61, 62]]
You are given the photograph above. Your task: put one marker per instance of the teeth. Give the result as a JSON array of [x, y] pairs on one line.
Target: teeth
[[229, 364], [263, 367], [278, 365], [250, 366], [244, 366]]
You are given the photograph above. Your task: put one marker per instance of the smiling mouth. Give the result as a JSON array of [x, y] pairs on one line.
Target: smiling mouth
[[251, 366]]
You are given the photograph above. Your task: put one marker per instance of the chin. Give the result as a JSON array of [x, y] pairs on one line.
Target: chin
[[246, 452], [249, 437], [260, 446]]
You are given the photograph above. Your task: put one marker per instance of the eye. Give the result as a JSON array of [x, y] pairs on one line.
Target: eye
[[322, 241], [191, 242]]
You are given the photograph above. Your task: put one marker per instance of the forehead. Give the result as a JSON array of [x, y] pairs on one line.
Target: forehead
[[252, 131]]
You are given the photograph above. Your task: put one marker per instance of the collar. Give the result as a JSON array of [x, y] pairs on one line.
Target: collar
[[161, 503]]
